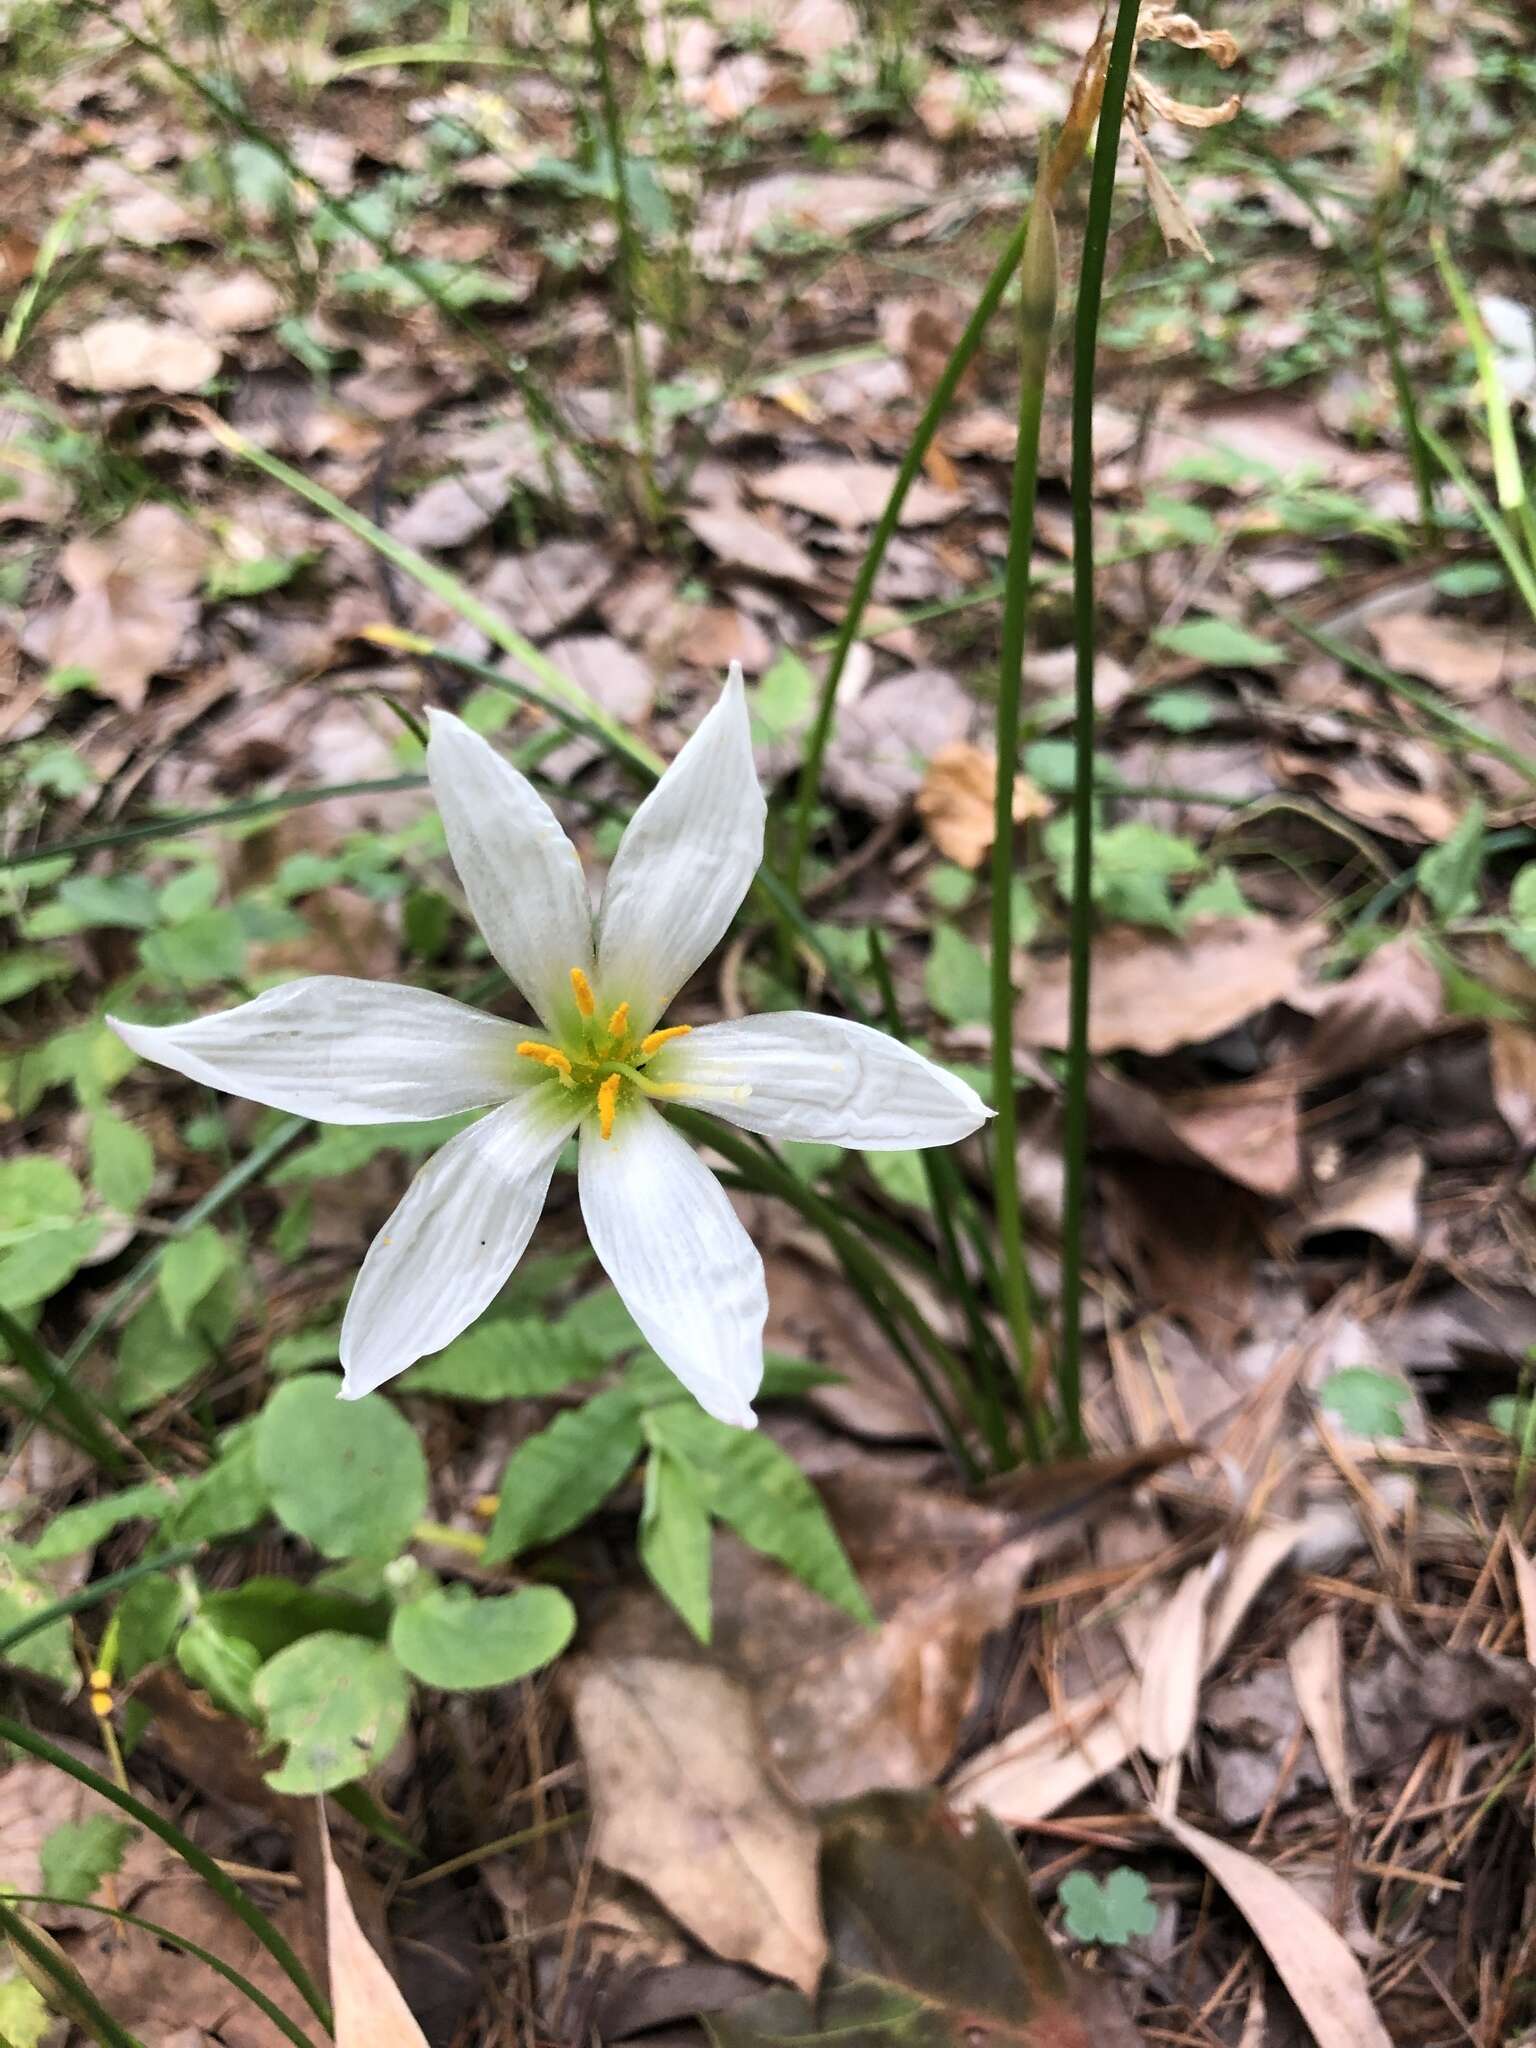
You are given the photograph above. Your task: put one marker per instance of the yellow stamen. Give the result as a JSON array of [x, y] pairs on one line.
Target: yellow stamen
[[618, 1023], [547, 1056], [655, 1040], [581, 989], [101, 1705], [101, 1681], [608, 1102]]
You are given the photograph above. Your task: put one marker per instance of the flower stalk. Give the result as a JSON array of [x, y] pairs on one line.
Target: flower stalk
[[1037, 319]]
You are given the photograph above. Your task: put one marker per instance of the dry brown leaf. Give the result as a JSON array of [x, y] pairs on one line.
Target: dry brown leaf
[[243, 303], [1463, 660], [686, 1806], [955, 802], [816, 28], [1312, 1961], [1248, 1131], [1173, 221], [1170, 1676], [743, 542], [35, 1799], [1362, 789], [880, 743], [852, 495], [1525, 1587], [131, 354], [1387, 1006], [453, 510], [1153, 993], [829, 203], [1382, 1199], [370, 2011], [549, 588], [1316, 1661], [1512, 1067], [1040, 1767], [133, 602]]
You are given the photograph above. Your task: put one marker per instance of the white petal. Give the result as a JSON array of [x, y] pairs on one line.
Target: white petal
[[670, 1243], [521, 874], [823, 1079], [445, 1253], [345, 1051], [684, 864]]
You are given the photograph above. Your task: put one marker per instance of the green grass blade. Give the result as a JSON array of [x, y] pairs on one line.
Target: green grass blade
[[97, 1591], [78, 1416], [74, 1996], [227, 1971], [33, 1744], [1090, 296]]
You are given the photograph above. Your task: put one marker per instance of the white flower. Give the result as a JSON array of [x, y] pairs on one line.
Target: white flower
[[360, 1052]]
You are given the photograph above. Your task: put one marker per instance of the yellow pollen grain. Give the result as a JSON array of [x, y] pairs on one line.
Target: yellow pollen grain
[[618, 1023], [547, 1056], [101, 1705], [101, 1681], [655, 1040], [608, 1102], [581, 989]]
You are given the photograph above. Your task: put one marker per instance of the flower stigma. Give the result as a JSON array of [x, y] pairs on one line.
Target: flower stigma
[[599, 1061]]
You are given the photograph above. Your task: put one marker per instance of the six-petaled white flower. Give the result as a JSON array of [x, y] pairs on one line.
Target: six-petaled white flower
[[599, 1063]]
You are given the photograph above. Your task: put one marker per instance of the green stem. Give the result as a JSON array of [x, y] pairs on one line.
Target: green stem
[[938, 404], [79, 1417], [987, 1412], [1090, 295], [1037, 317], [884, 1297], [24, 1738], [629, 266]]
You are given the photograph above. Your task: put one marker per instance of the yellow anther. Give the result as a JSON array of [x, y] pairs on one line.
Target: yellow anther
[[608, 1102], [101, 1681], [101, 1705], [618, 1023], [581, 989], [655, 1040], [547, 1056]]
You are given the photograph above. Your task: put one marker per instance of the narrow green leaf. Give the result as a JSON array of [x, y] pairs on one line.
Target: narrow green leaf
[[565, 1473], [82, 1528], [507, 1358], [765, 1497], [1217, 643], [1449, 873], [675, 1540]]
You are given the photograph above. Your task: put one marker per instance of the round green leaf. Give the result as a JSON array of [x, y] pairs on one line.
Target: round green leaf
[[349, 1477], [338, 1701], [1369, 1403], [450, 1639]]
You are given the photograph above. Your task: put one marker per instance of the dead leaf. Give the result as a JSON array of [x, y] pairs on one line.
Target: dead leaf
[[852, 495], [1170, 1675], [955, 802], [1040, 1767], [1316, 1661], [1391, 1003], [1461, 659], [816, 28], [1152, 992], [1512, 1066], [133, 604], [35, 1799], [453, 510], [243, 303], [1381, 1199], [370, 2011], [131, 354], [548, 589], [828, 203], [881, 742], [1312, 1961], [1363, 789], [743, 542], [1525, 1586], [686, 1806]]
